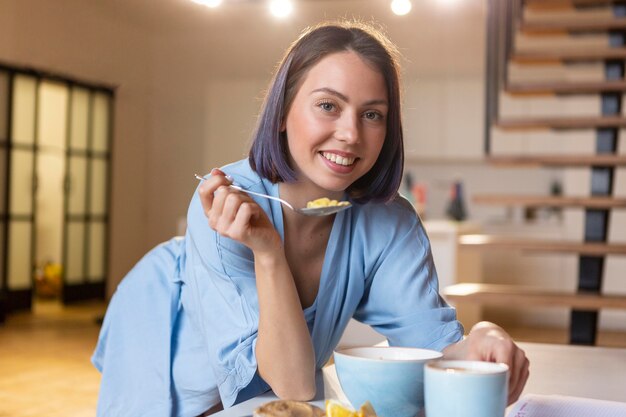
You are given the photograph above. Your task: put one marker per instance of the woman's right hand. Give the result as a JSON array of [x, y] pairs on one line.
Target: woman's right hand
[[235, 215], [282, 331]]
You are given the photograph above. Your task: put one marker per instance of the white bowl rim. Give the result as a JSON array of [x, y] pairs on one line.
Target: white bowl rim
[[427, 354], [473, 367]]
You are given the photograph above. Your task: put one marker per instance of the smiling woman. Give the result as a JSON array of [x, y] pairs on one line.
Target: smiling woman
[[255, 297]]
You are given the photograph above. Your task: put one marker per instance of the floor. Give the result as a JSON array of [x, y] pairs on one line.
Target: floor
[[45, 368], [44, 361]]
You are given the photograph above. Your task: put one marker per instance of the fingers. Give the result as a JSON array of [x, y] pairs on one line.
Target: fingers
[[229, 212], [519, 375], [209, 186], [506, 351], [246, 214], [491, 343], [227, 204]]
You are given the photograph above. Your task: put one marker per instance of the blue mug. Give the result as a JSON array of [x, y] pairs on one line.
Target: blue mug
[[465, 388]]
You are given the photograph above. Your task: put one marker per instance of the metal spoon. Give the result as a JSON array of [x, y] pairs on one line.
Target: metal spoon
[[313, 211]]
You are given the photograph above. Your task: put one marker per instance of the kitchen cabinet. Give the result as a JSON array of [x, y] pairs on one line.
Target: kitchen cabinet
[[443, 118], [455, 264]]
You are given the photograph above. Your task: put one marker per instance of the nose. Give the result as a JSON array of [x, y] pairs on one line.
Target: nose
[[347, 129]]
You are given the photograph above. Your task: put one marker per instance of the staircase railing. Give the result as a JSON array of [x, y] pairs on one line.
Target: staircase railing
[[501, 21]]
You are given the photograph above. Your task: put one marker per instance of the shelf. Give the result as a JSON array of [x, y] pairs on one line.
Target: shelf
[[481, 241], [514, 295], [602, 160], [565, 87], [561, 123], [547, 201], [551, 57], [567, 4], [578, 25]]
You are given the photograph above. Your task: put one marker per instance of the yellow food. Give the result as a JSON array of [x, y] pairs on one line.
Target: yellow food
[[326, 202], [336, 409], [367, 410]]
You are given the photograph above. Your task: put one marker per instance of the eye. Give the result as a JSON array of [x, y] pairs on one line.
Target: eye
[[373, 115], [327, 106]]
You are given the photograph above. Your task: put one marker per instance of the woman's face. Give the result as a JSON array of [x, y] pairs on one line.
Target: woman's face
[[337, 122]]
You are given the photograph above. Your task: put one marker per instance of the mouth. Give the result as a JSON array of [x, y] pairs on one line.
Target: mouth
[[339, 159]]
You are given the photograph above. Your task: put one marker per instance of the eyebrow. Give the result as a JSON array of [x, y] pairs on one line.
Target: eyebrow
[[345, 98]]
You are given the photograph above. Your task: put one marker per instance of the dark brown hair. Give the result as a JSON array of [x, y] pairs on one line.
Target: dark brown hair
[[269, 153]]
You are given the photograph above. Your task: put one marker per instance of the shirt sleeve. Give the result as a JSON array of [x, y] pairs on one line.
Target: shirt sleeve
[[219, 294], [401, 298]]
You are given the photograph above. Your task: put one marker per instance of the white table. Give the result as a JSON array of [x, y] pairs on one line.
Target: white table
[[579, 371]]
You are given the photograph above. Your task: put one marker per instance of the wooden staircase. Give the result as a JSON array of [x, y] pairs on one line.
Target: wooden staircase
[[507, 19]]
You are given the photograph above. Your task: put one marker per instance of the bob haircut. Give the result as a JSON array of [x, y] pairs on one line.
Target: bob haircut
[[269, 151]]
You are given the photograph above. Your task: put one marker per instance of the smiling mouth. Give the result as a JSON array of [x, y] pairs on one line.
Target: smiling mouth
[[338, 159]]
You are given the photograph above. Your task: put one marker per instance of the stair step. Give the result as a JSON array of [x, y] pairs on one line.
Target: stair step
[[544, 57], [548, 201], [569, 3], [561, 123], [505, 242], [565, 87], [570, 25], [604, 160], [515, 295]]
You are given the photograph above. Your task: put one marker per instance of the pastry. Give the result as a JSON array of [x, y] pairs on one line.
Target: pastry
[[287, 408]]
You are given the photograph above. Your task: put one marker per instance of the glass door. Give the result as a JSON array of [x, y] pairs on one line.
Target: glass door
[[55, 136], [21, 187], [86, 218], [4, 146], [52, 117]]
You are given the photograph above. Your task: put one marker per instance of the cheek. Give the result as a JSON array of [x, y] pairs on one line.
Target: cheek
[[303, 133], [374, 149], [378, 142]]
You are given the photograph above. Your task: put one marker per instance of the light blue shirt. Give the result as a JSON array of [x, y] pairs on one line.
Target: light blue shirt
[[180, 332]]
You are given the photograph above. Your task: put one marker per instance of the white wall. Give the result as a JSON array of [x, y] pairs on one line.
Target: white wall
[[78, 38], [190, 81], [210, 71], [207, 82]]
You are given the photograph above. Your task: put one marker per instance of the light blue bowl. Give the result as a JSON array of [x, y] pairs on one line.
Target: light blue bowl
[[390, 378]]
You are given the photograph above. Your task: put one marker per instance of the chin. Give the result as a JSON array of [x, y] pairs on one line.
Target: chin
[[335, 188]]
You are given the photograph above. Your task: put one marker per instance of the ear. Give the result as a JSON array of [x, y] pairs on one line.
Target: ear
[[283, 126]]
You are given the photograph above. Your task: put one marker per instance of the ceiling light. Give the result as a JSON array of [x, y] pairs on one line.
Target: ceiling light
[[281, 8], [401, 7], [208, 3]]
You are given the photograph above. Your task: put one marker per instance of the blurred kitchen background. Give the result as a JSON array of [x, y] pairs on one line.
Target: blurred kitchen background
[[108, 108]]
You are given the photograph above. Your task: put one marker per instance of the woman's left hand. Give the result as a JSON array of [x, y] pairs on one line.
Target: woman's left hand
[[489, 342]]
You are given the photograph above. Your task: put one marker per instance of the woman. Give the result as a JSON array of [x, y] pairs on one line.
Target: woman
[[256, 297]]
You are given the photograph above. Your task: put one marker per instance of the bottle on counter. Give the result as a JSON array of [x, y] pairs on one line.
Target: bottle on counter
[[416, 193], [419, 195], [456, 207]]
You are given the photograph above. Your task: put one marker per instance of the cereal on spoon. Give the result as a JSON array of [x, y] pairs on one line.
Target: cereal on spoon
[[326, 202]]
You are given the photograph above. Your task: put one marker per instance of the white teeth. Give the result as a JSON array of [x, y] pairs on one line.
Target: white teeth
[[339, 160]]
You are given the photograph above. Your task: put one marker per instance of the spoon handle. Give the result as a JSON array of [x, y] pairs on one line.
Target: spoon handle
[[237, 187], [280, 200]]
